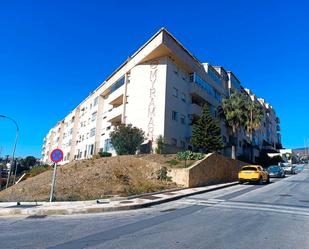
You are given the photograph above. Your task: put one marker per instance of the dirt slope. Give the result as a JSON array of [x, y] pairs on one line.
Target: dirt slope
[[93, 179]]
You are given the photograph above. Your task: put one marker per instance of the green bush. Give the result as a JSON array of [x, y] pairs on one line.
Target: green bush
[[189, 155], [38, 170], [104, 154], [127, 139], [162, 174], [172, 162]]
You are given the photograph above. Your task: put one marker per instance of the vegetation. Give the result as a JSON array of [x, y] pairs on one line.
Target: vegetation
[[206, 133], [127, 139], [162, 174], [28, 162], [38, 170], [254, 116], [160, 144], [233, 111], [104, 154], [266, 161], [189, 155], [172, 162]]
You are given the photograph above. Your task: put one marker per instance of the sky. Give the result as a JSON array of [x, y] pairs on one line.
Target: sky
[[54, 53]]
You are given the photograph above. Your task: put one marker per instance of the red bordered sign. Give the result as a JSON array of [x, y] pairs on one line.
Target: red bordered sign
[[56, 155]]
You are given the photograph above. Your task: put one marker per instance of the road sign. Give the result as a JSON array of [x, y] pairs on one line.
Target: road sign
[[56, 156]]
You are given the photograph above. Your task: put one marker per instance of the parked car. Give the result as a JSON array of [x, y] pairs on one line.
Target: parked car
[[289, 169], [275, 171], [253, 173]]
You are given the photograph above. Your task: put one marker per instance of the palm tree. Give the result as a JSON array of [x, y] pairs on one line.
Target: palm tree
[[234, 112], [254, 118]]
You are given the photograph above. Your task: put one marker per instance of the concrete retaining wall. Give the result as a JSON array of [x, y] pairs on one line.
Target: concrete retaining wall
[[212, 169]]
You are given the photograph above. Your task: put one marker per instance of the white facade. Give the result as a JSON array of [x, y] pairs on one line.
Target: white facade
[[159, 89]]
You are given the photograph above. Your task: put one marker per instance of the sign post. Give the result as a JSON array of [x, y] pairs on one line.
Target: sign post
[[56, 156]]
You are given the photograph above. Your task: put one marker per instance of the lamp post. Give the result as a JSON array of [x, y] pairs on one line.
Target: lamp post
[[14, 149]]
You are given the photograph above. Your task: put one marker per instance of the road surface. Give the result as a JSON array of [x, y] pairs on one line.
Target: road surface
[[243, 216]]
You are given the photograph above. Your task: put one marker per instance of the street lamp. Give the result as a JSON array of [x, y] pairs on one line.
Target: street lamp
[[14, 149]]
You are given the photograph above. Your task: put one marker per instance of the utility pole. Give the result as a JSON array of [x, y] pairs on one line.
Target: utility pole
[[14, 149]]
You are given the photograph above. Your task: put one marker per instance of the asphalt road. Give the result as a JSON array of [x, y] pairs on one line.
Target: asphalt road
[[243, 216]]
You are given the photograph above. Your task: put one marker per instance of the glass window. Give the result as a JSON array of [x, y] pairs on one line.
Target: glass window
[[92, 132], [183, 144], [183, 97], [182, 119], [174, 116], [95, 101], [94, 116], [175, 92]]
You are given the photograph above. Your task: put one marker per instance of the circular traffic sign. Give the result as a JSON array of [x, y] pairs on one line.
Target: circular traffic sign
[[56, 155]]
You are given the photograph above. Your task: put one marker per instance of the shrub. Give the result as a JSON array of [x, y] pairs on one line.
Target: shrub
[[162, 174], [172, 162], [126, 139], [38, 170], [189, 155], [160, 144], [104, 154]]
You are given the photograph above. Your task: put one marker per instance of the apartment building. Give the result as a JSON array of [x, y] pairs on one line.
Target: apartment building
[[161, 89]]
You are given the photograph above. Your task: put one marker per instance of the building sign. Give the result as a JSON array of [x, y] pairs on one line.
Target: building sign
[[152, 94]]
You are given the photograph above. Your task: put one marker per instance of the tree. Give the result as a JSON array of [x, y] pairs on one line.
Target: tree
[[254, 116], [233, 111], [206, 133], [28, 162], [160, 144], [126, 139]]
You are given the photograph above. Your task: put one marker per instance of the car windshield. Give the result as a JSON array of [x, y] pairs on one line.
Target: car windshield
[[273, 168], [249, 168]]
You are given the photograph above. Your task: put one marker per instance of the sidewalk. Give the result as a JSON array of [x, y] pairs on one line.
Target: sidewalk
[[98, 206]]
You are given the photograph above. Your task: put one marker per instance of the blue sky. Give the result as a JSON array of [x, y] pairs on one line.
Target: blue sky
[[54, 53]]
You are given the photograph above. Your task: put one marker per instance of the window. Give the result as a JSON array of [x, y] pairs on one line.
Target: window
[[108, 145], [174, 116], [173, 141], [90, 149], [95, 101], [175, 92], [183, 97], [94, 116], [92, 132], [182, 119], [183, 144]]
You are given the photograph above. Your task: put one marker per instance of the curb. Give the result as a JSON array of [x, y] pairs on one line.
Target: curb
[[92, 210]]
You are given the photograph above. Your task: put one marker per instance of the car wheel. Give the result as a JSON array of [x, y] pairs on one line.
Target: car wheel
[[268, 180], [241, 182], [260, 182]]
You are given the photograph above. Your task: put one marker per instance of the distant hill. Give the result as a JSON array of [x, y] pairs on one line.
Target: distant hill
[[301, 151]]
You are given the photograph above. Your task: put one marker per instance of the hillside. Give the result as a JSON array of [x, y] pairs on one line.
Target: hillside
[[94, 179], [301, 151]]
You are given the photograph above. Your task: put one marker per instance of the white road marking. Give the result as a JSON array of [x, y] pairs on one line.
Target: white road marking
[[217, 203]]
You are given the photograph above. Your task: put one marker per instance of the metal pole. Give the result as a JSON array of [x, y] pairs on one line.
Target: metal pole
[[53, 183], [14, 149]]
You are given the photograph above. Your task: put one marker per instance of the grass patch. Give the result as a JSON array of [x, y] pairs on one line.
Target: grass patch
[[38, 170], [172, 162]]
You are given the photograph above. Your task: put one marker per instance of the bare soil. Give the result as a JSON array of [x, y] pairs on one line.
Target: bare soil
[[95, 179]]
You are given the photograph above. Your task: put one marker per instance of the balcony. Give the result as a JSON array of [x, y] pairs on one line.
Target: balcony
[[115, 114], [200, 94], [116, 98], [195, 109]]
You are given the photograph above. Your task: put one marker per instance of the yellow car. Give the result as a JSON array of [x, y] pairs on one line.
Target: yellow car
[[253, 173]]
